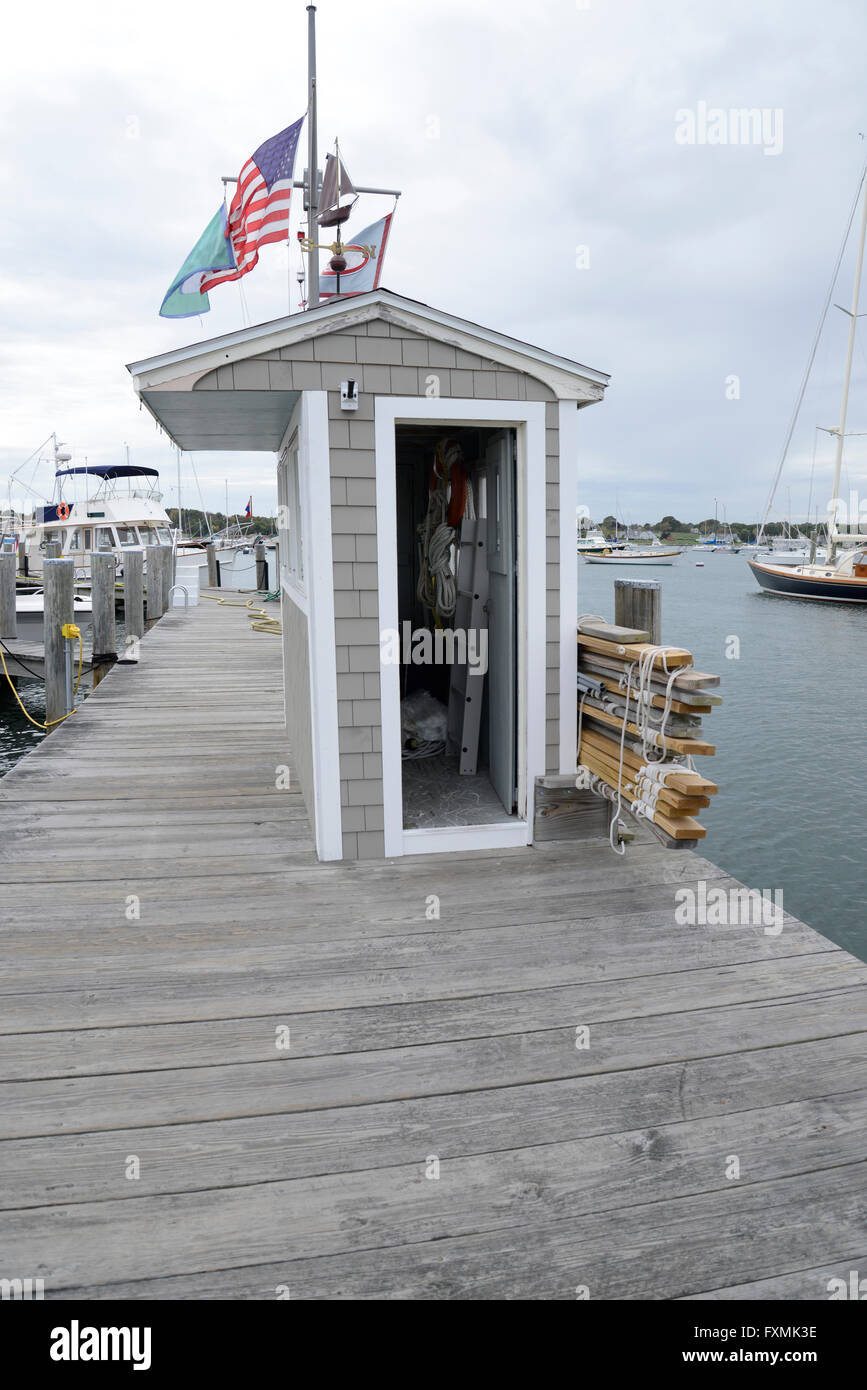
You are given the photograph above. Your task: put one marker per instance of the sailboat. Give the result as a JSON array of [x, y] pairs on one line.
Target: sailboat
[[336, 201], [655, 554], [338, 196], [843, 579]]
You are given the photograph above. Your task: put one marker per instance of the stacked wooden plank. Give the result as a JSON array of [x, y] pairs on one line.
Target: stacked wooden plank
[[641, 720]]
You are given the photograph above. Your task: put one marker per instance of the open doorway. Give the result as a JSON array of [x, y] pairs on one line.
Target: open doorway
[[456, 519]]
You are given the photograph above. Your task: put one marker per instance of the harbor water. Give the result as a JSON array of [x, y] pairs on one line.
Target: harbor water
[[789, 734]]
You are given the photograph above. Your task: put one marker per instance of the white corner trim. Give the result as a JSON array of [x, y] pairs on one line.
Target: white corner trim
[[532, 555], [315, 483], [568, 587], [528, 418]]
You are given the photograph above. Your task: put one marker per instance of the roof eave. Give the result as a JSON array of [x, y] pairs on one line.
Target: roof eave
[[568, 379]]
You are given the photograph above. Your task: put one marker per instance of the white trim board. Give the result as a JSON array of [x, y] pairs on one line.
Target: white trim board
[[567, 699], [315, 483], [528, 419]]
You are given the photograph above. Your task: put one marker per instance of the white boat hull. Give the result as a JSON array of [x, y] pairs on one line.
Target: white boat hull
[[663, 557], [30, 615]]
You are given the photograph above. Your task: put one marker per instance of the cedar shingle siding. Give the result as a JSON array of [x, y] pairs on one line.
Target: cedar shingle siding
[[386, 360]]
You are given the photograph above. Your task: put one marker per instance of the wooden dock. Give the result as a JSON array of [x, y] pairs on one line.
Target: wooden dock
[[433, 1130]]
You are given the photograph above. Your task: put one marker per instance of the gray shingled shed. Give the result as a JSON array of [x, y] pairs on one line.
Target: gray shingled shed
[[355, 398]]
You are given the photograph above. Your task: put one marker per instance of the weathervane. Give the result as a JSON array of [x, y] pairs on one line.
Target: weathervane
[[336, 201]]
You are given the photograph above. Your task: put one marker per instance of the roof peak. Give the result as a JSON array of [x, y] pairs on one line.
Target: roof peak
[[379, 303]]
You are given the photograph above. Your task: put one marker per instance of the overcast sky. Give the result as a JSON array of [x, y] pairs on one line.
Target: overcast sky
[[547, 193]]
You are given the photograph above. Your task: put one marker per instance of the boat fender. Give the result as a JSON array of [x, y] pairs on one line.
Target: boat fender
[[458, 494], [455, 479]]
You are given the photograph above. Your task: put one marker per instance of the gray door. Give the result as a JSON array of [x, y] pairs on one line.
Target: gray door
[[502, 616]]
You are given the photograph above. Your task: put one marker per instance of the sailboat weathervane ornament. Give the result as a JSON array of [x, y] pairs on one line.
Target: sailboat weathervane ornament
[[259, 214]]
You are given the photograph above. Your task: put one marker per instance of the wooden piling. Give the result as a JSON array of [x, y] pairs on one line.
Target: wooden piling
[[638, 603], [261, 566], [8, 616], [133, 593], [102, 568], [153, 581], [57, 583], [166, 560], [53, 550], [211, 552], [158, 581]]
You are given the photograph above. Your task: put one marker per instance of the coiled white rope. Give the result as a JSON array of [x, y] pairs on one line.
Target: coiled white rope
[[620, 848], [439, 570], [437, 582]]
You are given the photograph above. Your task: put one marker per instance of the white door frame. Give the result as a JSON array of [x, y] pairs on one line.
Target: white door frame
[[528, 420], [314, 596]]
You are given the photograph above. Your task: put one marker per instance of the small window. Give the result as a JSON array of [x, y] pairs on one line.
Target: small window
[[88, 538], [165, 536], [126, 535], [104, 539], [148, 537], [73, 539]]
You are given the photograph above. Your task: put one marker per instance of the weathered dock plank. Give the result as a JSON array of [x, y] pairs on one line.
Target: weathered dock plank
[[602, 1164], [258, 1149]]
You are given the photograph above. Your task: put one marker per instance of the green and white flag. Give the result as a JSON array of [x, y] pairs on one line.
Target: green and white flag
[[213, 251]]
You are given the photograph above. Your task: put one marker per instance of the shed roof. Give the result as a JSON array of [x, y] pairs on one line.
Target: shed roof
[[258, 419]]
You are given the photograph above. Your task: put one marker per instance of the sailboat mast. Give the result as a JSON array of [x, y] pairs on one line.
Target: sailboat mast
[[312, 163], [841, 431]]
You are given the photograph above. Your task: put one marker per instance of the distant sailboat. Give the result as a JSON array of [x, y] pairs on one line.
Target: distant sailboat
[[842, 580], [655, 554]]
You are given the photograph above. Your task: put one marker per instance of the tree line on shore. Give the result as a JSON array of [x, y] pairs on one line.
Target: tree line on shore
[[671, 529], [196, 523]]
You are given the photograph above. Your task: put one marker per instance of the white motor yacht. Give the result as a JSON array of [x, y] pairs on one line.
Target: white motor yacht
[[594, 543], [98, 507]]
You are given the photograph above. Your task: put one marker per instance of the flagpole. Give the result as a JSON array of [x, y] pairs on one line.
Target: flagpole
[[312, 163]]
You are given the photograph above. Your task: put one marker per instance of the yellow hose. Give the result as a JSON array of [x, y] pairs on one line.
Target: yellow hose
[[260, 621], [35, 722]]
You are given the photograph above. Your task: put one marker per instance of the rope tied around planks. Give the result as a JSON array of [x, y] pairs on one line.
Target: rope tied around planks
[[626, 751]]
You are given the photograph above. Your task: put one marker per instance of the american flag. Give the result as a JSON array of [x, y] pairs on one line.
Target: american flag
[[259, 212]]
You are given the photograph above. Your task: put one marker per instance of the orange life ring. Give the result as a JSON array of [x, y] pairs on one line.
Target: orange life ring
[[62, 511]]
